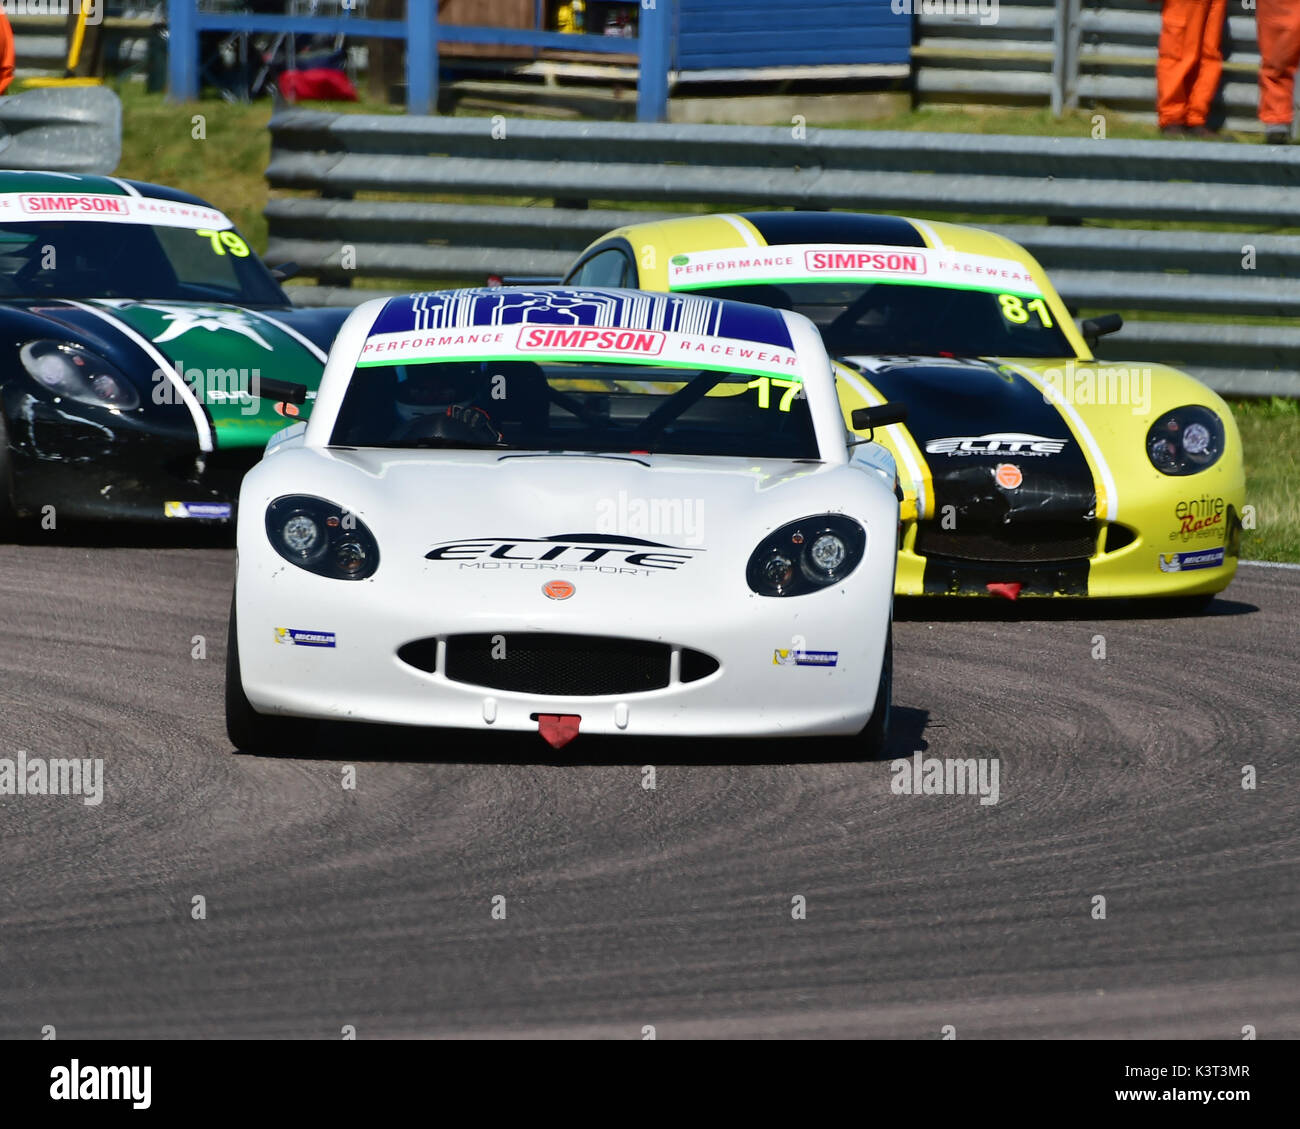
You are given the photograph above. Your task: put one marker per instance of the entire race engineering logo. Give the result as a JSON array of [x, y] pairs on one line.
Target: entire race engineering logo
[[997, 443]]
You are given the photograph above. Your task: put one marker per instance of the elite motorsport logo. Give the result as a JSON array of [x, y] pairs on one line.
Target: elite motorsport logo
[[997, 443], [570, 552]]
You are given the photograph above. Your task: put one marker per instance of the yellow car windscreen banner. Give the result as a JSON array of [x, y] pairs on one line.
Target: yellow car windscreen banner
[[828, 262]]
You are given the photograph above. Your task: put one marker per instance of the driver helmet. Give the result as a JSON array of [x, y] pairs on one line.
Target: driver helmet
[[431, 389]]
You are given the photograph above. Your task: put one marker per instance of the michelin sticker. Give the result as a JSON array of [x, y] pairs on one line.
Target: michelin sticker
[[209, 510], [1186, 562], [296, 638], [804, 658]]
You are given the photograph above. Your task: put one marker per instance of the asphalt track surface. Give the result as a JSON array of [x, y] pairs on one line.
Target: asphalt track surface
[[625, 907]]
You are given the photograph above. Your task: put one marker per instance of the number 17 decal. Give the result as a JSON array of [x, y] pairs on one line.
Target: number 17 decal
[[765, 384]]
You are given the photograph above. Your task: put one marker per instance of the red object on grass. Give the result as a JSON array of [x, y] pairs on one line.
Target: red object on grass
[[321, 84]]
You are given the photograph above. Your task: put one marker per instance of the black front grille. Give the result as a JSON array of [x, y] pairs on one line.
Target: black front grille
[[577, 665], [1028, 544]]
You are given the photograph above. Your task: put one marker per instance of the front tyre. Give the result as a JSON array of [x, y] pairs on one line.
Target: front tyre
[[8, 515], [247, 729], [872, 740]]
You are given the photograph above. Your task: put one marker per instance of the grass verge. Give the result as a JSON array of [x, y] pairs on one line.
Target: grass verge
[[1270, 435]]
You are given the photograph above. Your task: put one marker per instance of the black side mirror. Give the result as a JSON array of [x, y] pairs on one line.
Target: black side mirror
[[879, 415], [281, 391], [1094, 329], [285, 271]]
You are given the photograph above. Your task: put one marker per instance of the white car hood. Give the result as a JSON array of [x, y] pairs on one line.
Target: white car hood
[[663, 522]]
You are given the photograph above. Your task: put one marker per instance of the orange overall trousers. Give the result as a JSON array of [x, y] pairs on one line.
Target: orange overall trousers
[[1190, 61]]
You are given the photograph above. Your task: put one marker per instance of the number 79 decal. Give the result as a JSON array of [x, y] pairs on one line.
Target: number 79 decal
[[765, 384], [223, 241]]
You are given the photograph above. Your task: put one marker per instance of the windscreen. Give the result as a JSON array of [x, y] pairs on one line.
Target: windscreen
[[87, 246], [576, 406], [887, 300], [891, 318]]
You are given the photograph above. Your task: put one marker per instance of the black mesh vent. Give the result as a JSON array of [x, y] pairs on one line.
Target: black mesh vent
[[697, 665], [1012, 544], [1117, 536], [558, 664], [421, 654]]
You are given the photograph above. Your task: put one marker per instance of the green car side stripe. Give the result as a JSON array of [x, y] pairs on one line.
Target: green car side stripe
[[219, 352], [176, 386]]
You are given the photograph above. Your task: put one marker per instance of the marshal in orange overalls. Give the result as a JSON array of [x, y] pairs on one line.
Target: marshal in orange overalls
[[1277, 23], [1190, 61], [6, 52]]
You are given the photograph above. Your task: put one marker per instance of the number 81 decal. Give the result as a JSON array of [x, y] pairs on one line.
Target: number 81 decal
[[1016, 310], [225, 241]]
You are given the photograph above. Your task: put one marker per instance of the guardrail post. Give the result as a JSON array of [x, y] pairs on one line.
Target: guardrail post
[[654, 37], [182, 51], [1066, 34], [1074, 36], [421, 58]]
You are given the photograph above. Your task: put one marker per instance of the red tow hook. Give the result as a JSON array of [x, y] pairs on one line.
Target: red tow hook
[[558, 729], [1010, 590]]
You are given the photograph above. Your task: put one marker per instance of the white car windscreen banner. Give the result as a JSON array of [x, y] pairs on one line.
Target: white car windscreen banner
[[34, 207], [532, 341], [828, 262]]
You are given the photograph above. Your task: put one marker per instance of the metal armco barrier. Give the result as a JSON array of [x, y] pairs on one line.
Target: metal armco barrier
[[1077, 186]]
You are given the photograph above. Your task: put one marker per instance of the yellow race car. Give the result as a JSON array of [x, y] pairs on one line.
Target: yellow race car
[[1026, 467]]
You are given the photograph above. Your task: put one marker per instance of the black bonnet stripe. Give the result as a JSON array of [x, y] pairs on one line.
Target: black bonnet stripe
[[834, 227]]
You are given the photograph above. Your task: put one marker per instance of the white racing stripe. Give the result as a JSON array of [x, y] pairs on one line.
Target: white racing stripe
[[306, 342], [1108, 508], [929, 232], [128, 188], [901, 442], [741, 226], [186, 393]]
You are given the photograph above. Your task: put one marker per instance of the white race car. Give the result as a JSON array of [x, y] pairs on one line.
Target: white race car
[[557, 509]]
